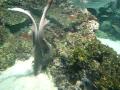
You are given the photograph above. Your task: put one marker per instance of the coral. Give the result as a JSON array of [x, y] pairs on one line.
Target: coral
[[9, 18], [4, 34], [14, 48], [7, 56], [109, 18], [77, 51], [100, 63]]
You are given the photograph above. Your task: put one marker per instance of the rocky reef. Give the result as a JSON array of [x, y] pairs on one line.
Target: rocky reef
[[109, 19], [80, 61]]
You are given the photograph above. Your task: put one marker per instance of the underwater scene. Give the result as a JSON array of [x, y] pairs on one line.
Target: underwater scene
[[59, 44]]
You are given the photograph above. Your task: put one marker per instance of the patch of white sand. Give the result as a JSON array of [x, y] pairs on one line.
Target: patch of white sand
[[20, 77], [113, 44]]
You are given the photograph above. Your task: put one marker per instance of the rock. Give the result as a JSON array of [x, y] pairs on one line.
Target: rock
[[93, 4], [93, 25], [106, 26], [116, 28], [11, 18]]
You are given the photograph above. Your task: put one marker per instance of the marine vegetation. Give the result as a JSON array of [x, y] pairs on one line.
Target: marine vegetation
[[14, 48], [91, 59], [3, 32]]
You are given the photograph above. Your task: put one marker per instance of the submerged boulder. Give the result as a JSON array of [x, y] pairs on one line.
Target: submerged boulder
[[78, 54]]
